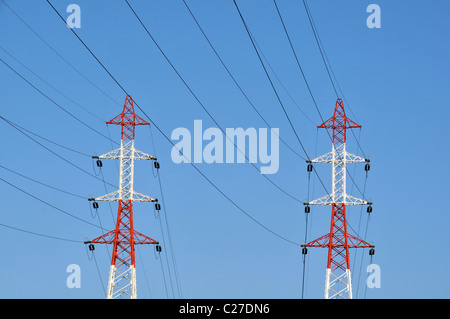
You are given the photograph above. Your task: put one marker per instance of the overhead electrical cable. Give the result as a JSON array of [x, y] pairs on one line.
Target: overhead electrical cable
[[53, 87], [279, 80], [170, 238], [98, 272], [58, 54], [309, 89], [281, 103], [169, 140], [331, 75], [51, 151], [48, 140], [165, 216], [203, 106], [48, 204], [328, 66], [48, 98], [234, 79], [43, 184], [40, 234], [324, 58], [275, 90], [156, 167]]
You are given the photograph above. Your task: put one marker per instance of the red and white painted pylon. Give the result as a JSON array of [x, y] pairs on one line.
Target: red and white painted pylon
[[338, 241], [122, 275]]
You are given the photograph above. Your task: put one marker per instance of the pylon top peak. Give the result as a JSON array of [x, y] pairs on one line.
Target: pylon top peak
[[128, 119], [339, 122]]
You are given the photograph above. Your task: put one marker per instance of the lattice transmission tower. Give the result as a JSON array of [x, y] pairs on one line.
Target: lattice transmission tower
[[338, 241], [122, 274]]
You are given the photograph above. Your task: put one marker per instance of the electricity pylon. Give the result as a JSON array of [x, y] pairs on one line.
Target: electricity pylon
[[338, 241], [122, 275]]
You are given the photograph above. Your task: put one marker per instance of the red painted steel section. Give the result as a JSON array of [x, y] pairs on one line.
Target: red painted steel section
[[124, 237], [339, 122], [128, 119]]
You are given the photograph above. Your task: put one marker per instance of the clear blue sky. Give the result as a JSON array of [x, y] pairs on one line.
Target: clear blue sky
[[395, 81]]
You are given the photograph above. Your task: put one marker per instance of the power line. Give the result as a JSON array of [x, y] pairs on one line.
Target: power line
[[54, 88], [169, 236], [36, 181], [48, 140], [98, 272], [279, 80], [167, 260], [279, 99], [145, 273], [270, 80], [168, 139], [40, 234], [304, 77], [328, 66], [164, 275], [159, 216], [298, 63], [48, 98], [320, 49], [202, 105], [43, 184], [48, 204], [234, 79], [54, 153], [156, 167], [106, 192], [275, 90], [58, 54], [323, 54], [324, 58]]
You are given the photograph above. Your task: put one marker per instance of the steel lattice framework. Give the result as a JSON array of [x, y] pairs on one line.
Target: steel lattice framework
[[338, 241], [122, 276]]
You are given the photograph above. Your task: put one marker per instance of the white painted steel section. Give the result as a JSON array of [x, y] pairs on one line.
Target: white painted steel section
[[339, 158]]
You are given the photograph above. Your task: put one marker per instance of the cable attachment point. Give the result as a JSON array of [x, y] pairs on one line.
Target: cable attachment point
[[94, 204], [91, 245]]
